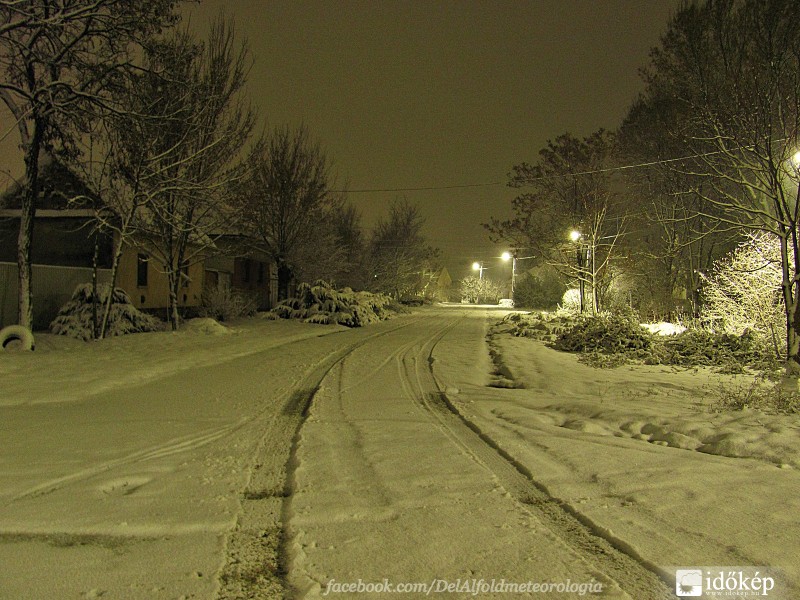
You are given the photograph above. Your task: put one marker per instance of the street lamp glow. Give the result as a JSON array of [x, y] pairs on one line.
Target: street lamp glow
[[796, 159], [506, 256], [574, 235], [476, 266]]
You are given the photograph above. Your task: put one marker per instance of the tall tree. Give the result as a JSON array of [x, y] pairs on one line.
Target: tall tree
[[567, 190], [195, 124], [58, 59], [288, 203], [400, 257], [678, 236], [735, 67]]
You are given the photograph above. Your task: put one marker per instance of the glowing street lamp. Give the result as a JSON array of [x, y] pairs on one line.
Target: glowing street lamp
[[478, 266], [574, 235]]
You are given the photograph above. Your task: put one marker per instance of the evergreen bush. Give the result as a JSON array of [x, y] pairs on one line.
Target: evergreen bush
[[77, 317], [321, 303]]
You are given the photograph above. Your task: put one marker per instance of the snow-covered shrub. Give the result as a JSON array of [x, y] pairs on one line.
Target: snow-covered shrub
[[609, 333], [545, 326], [480, 290], [700, 347], [320, 303], [743, 292], [571, 301], [224, 304], [760, 394], [76, 317]]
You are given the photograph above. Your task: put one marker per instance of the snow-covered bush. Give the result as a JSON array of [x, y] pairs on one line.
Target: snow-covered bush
[[224, 304], [544, 326], [320, 303], [571, 301], [76, 317], [480, 290], [698, 347], [538, 291], [743, 292]]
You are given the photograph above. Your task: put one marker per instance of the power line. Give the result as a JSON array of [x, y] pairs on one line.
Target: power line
[[654, 163], [420, 189]]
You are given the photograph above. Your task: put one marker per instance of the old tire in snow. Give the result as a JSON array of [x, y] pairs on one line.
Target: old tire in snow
[[14, 333]]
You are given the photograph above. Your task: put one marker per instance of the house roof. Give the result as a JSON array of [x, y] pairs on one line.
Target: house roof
[[60, 189]]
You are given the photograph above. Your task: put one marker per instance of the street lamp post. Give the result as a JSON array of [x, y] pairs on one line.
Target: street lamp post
[[576, 236], [512, 256], [506, 256], [478, 266]]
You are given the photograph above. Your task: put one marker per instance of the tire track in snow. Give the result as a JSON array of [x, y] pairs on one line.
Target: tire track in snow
[[169, 448], [184, 443], [291, 553], [256, 563], [639, 578]]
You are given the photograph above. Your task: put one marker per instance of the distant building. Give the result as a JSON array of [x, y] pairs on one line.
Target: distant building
[[439, 285]]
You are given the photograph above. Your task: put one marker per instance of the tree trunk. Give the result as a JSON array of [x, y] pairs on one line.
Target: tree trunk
[[25, 239], [284, 280], [95, 258], [112, 284], [174, 280]]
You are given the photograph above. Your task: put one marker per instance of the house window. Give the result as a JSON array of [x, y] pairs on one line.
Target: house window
[[260, 272], [141, 270]]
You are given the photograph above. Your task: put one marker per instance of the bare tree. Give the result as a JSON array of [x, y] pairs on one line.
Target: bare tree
[[288, 203], [399, 254], [58, 59], [189, 128], [567, 191], [677, 237]]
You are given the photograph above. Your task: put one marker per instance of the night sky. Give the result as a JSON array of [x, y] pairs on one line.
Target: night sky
[[436, 94]]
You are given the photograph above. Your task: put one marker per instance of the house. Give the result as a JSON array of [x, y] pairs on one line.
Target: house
[[66, 246], [438, 285], [238, 266]]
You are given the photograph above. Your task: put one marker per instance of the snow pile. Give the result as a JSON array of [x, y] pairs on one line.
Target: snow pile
[[320, 303], [207, 326], [76, 317], [664, 328]]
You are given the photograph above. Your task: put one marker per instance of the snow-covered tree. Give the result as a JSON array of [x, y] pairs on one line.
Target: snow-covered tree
[[734, 68], [195, 122], [480, 290], [58, 62], [743, 292]]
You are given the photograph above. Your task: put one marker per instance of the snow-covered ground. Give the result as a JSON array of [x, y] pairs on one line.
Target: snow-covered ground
[[124, 462], [636, 451], [153, 466]]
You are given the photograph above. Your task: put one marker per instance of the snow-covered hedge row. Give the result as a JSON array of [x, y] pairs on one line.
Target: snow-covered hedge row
[[321, 303], [609, 340], [76, 317]]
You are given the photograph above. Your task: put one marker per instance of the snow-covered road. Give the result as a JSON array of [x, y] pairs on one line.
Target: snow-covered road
[[392, 488], [232, 463]]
